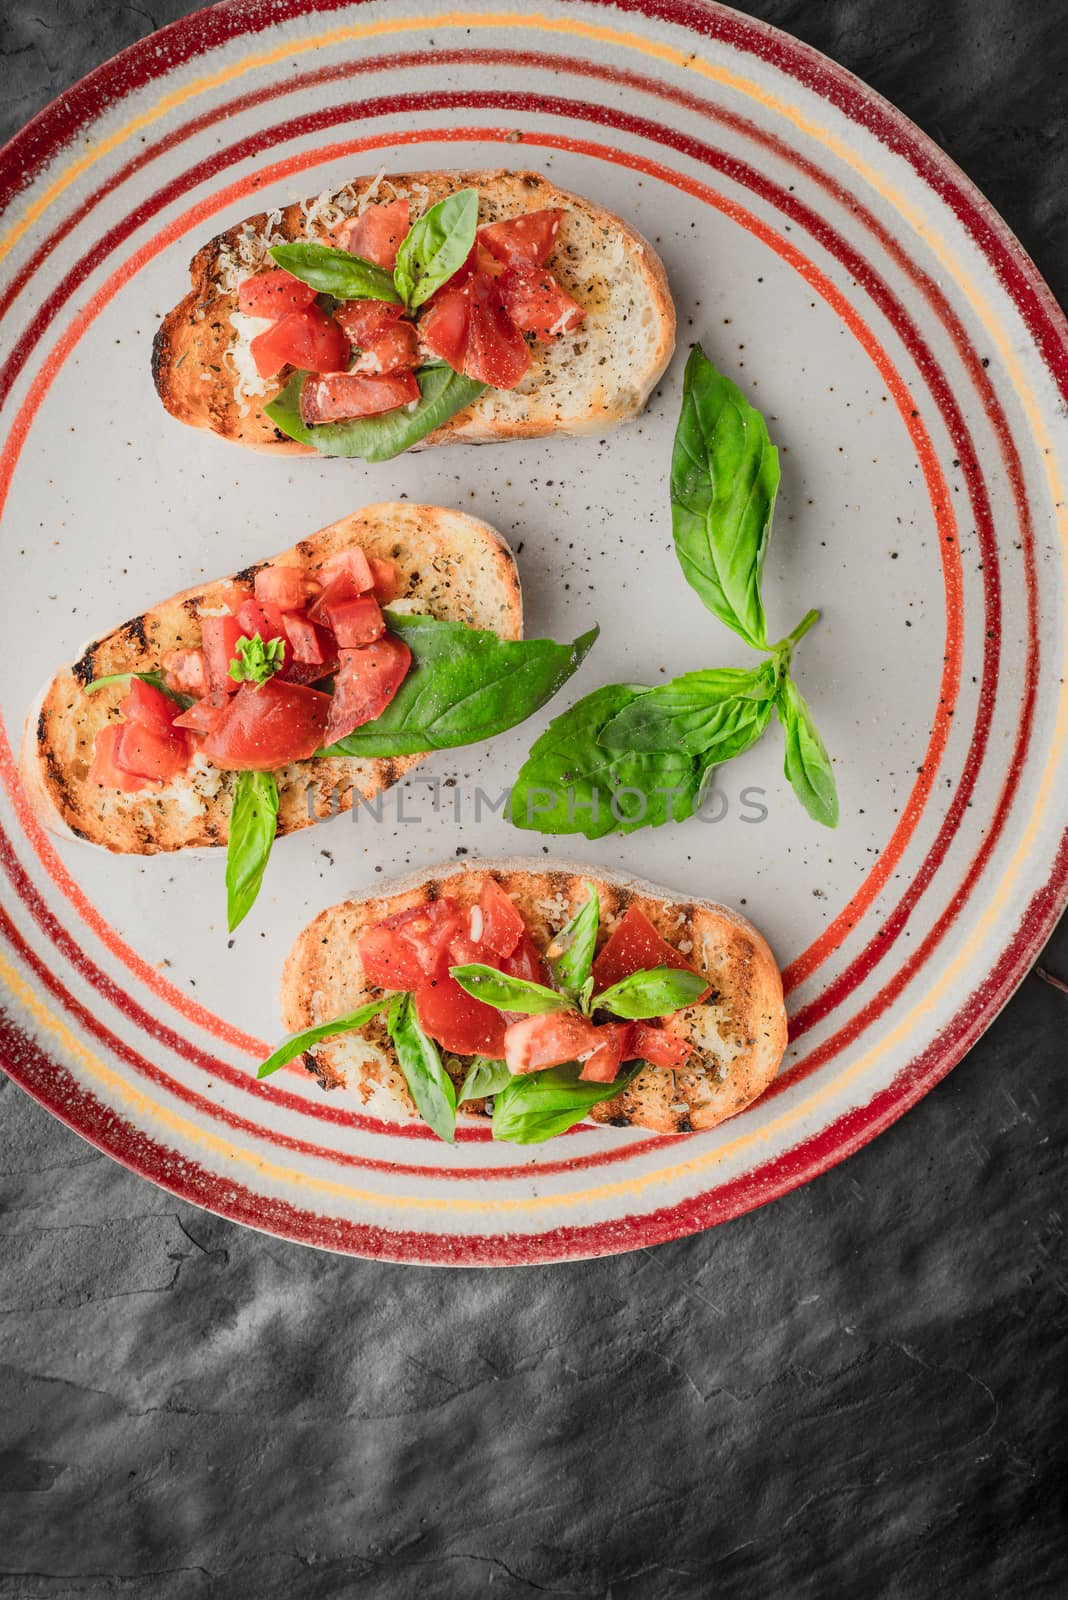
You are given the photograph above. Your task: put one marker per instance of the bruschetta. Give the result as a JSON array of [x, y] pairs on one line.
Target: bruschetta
[[544, 992], [418, 309]]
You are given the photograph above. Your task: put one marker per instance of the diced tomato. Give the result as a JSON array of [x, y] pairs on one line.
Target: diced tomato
[[105, 769], [150, 752], [262, 618], [341, 396], [266, 726], [353, 566], [148, 706], [635, 946], [402, 951], [272, 294], [536, 303], [549, 1040], [308, 643], [220, 636], [659, 1046], [357, 621], [234, 596], [499, 922], [526, 961], [366, 682], [186, 672], [377, 330], [497, 353], [458, 1021], [529, 237], [377, 234], [605, 1061], [287, 588], [202, 715], [308, 338], [443, 326], [386, 579]]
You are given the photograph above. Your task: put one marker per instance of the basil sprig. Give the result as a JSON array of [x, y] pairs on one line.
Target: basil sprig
[[420, 1061], [442, 393], [629, 756], [298, 1043], [255, 660], [497, 989], [436, 245], [484, 1078], [156, 679], [464, 685], [539, 1105], [571, 951], [336, 272], [253, 823]]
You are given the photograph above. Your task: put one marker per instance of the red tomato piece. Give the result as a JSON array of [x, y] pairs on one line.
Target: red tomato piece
[[286, 588], [536, 302], [219, 636], [497, 353], [528, 238], [498, 924], [459, 1022], [148, 751], [526, 961], [308, 338], [377, 234], [267, 726], [386, 579], [357, 621], [366, 682], [402, 951], [272, 294], [105, 769], [363, 320], [635, 946], [351, 565], [385, 340], [255, 617], [548, 1041], [444, 325], [659, 1046], [202, 715], [603, 1065], [149, 707], [305, 639], [186, 672], [341, 396]]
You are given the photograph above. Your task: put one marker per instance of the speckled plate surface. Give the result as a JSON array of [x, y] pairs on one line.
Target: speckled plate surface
[[913, 368]]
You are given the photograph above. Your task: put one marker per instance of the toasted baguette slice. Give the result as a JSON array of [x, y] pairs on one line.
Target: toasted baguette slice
[[739, 1033], [584, 382], [450, 565]]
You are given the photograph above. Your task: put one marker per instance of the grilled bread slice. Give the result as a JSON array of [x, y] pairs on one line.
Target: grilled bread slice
[[738, 1033], [583, 382], [449, 565]]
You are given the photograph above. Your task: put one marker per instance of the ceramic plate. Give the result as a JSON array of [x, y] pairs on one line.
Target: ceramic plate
[[913, 369]]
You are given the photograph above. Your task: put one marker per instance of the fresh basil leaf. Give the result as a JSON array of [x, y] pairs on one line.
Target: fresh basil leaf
[[570, 954], [298, 1043], [256, 660], [437, 245], [336, 272], [715, 714], [464, 685], [442, 391], [253, 823], [538, 1105], [808, 766], [484, 1078], [655, 993], [724, 478], [154, 678], [508, 994], [420, 1061], [570, 783]]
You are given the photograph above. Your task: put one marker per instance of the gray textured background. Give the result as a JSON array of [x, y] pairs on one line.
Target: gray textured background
[[855, 1391]]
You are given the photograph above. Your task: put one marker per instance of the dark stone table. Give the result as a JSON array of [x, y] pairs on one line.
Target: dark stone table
[[854, 1392]]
